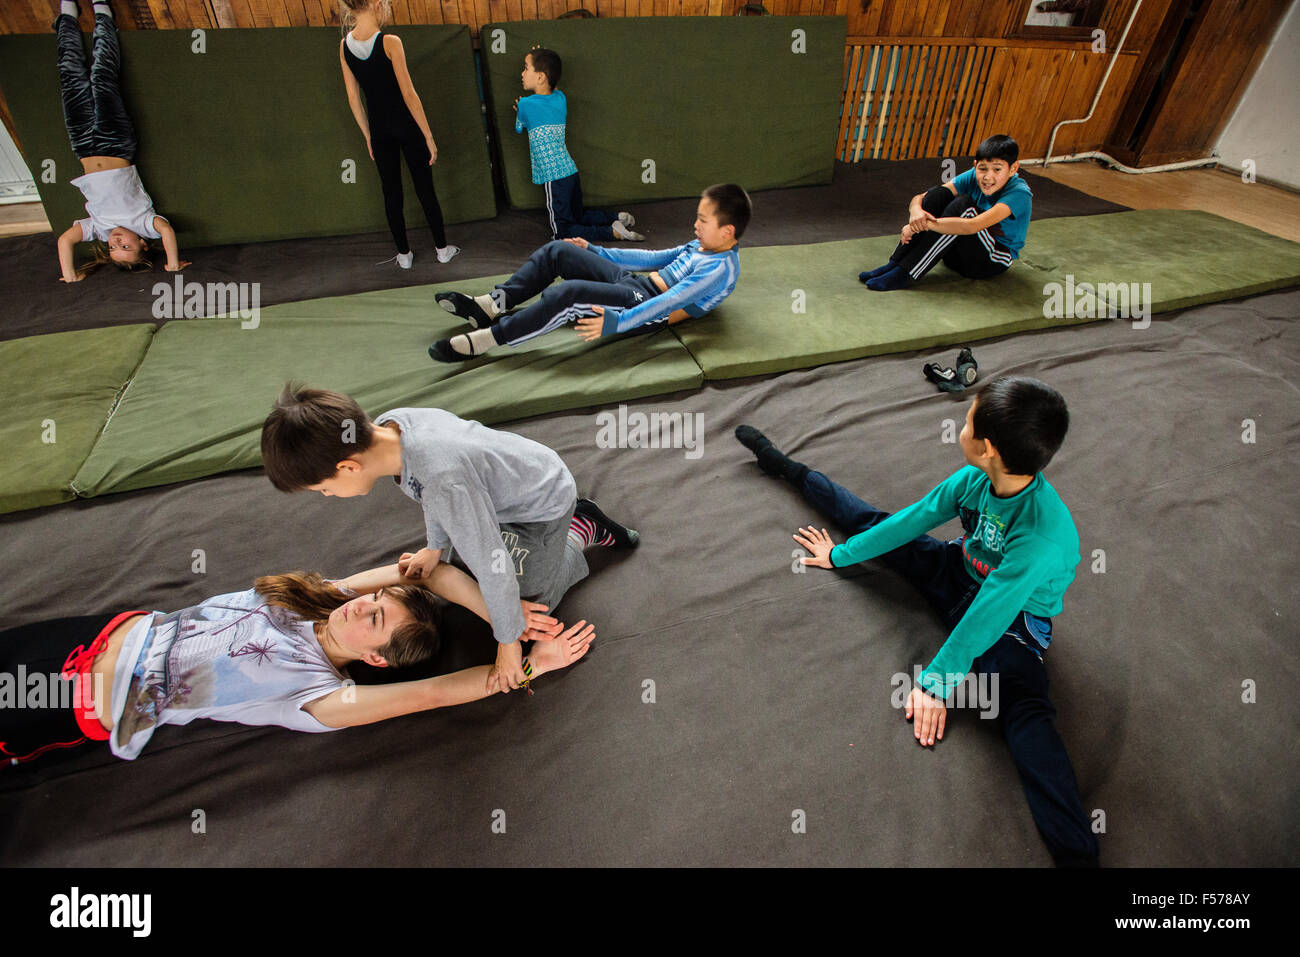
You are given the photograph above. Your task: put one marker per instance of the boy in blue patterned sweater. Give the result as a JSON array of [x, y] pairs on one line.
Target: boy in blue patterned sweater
[[601, 292], [543, 115]]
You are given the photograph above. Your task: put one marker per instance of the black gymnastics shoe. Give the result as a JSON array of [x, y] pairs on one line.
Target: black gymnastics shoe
[[464, 307], [441, 351], [770, 459], [624, 537]]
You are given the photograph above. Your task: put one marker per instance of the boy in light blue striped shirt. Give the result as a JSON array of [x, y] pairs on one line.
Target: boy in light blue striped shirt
[[602, 292]]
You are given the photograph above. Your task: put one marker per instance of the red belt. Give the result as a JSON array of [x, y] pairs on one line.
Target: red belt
[[83, 695]]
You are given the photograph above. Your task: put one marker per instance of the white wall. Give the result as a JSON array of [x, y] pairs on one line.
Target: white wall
[[16, 184], [1266, 125]]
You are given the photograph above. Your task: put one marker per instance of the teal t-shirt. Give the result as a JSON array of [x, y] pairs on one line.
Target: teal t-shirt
[[1023, 551], [544, 116], [1017, 196]]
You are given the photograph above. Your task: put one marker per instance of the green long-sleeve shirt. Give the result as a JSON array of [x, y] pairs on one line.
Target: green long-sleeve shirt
[[1023, 551]]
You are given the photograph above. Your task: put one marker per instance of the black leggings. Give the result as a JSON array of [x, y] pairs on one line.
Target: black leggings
[[31, 727], [388, 152], [97, 121], [975, 256]]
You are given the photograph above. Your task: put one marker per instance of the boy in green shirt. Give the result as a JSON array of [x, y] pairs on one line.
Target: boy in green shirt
[[997, 586]]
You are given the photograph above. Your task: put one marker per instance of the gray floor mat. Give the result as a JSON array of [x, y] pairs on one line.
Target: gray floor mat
[[772, 689]]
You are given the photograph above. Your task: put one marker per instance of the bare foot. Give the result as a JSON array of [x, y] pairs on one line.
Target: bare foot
[[563, 651]]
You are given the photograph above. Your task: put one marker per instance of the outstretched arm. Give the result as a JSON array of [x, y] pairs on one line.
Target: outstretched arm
[[366, 704]]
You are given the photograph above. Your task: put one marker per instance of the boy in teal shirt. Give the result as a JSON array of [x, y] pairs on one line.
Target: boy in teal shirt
[[544, 116], [997, 587], [975, 225]]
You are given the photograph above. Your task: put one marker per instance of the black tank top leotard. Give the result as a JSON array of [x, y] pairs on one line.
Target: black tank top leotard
[[386, 111]]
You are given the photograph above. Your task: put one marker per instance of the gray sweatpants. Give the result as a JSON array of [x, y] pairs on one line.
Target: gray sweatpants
[[546, 563]]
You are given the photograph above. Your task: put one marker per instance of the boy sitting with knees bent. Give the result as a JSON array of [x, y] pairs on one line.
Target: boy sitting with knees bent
[[508, 505], [976, 224], [997, 586], [600, 292]]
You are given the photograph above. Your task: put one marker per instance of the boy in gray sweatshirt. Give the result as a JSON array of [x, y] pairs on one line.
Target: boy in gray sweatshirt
[[506, 504]]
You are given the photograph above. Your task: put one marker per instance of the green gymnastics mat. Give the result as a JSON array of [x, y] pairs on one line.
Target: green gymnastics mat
[[802, 306], [57, 391], [196, 405], [252, 139], [661, 107]]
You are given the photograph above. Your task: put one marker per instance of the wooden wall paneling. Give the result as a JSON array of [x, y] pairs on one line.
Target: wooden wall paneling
[[904, 88], [853, 60], [963, 60], [993, 59], [868, 102], [197, 15], [450, 10], [966, 100], [864, 17], [316, 17], [295, 13], [1217, 60], [880, 99], [916, 102], [962, 69], [924, 95], [962, 18], [25, 16], [158, 11], [1081, 137], [897, 100], [939, 103], [897, 103]]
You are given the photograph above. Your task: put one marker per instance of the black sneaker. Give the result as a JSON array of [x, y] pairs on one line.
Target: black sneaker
[[624, 537], [463, 306]]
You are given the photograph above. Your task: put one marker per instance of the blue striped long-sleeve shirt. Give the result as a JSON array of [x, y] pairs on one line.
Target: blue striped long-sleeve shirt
[[697, 282]]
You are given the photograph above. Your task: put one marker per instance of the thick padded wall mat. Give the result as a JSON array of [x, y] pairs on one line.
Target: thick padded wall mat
[[253, 139], [663, 106], [801, 306], [197, 403], [57, 391]]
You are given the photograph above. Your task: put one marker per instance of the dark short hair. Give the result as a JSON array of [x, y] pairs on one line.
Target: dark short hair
[[1026, 420], [307, 434], [999, 147], [731, 204], [548, 62]]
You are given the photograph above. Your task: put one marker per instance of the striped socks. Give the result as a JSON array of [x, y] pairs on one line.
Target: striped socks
[[583, 532]]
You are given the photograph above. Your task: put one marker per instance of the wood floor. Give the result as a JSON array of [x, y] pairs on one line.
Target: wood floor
[[1265, 207]]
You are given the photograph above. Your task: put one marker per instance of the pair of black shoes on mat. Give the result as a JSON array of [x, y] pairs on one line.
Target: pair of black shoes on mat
[[464, 307], [770, 459], [623, 536]]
